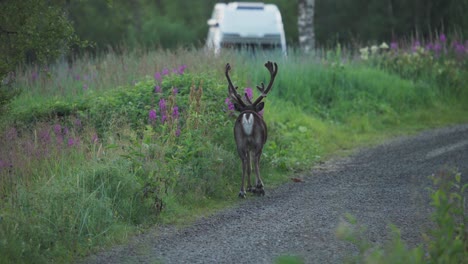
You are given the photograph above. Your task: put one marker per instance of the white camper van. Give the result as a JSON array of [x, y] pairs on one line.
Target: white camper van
[[246, 25]]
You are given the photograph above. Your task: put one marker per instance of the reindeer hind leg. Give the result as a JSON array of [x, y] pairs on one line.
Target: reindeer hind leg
[[258, 183]]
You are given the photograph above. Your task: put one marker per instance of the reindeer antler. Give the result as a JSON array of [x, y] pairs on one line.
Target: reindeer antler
[[233, 90], [237, 98], [273, 69]]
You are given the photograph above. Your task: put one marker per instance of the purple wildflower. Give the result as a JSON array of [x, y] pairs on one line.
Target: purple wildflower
[[71, 142], [58, 129], [429, 46], [165, 71], [261, 112], [34, 75], [182, 69], [158, 77], [162, 105], [177, 132], [78, 123], [77, 77], [248, 92], [85, 87], [393, 45], [175, 112], [29, 148], [229, 104], [416, 45], [59, 139], [437, 48], [458, 47], [157, 89], [442, 38], [175, 91], [152, 115], [44, 136], [94, 139], [11, 134], [163, 118]]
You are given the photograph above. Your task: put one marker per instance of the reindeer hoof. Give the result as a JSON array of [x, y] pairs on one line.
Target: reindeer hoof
[[250, 189], [241, 194], [259, 192]]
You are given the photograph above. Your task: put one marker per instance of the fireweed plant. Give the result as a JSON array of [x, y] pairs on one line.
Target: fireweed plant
[[125, 149], [100, 149], [438, 60]]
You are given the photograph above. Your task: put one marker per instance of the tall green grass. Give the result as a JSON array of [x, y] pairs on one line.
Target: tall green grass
[[84, 164]]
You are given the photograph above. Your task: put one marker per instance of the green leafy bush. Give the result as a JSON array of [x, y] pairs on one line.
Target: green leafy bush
[[447, 242], [438, 62]]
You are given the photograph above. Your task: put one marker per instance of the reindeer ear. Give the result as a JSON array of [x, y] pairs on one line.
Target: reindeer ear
[[237, 107], [259, 107]]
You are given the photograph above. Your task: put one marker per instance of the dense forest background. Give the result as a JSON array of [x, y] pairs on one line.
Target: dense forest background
[[169, 23], [39, 31]]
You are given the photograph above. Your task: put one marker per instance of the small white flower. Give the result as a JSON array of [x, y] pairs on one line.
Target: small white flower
[[364, 53], [364, 50], [384, 45], [374, 49]]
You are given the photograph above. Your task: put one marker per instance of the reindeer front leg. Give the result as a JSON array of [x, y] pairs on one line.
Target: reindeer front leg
[[249, 172], [245, 164]]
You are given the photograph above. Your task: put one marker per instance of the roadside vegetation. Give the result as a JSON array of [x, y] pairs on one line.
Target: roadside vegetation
[[102, 148], [445, 242]]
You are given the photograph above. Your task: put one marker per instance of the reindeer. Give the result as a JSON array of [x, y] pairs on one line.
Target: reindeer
[[250, 131]]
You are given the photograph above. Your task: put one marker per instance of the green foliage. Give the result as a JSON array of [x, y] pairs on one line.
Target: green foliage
[[93, 161], [287, 131], [161, 23], [32, 29], [442, 66], [447, 242], [288, 260], [6, 95], [167, 22], [77, 209], [344, 22], [339, 90]]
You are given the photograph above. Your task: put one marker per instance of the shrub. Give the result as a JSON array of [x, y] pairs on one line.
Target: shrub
[[447, 242], [437, 62]]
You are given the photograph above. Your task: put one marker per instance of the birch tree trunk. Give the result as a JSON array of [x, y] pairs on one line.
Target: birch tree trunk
[[305, 23]]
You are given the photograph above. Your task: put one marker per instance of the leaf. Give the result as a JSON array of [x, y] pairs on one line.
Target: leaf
[[297, 180], [458, 177], [465, 186], [112, 146]]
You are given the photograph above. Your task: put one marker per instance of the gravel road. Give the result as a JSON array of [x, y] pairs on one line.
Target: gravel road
[[381, 185]]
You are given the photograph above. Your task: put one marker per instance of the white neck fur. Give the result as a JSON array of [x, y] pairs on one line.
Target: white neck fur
[[247, 123]]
